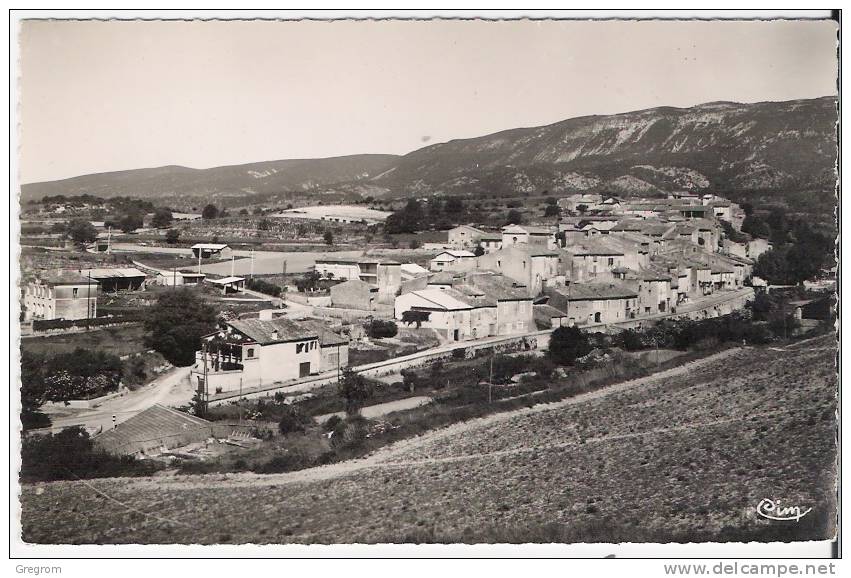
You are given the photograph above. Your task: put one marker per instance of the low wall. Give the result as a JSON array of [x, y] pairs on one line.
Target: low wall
[[86, 403], [353, 314]]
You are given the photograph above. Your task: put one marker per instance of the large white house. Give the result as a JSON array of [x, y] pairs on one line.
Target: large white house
[[252, 352]]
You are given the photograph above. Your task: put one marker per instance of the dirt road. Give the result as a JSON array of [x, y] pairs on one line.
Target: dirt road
[[171, 388]]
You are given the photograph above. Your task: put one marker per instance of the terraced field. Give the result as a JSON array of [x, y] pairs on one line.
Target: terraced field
[[681, 456]]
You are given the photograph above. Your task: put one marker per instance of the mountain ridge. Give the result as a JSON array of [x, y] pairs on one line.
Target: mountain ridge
[[722, 145]]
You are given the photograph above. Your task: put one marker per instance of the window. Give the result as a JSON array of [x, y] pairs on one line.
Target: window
[[611, 260], [250, 352], [75, 291]]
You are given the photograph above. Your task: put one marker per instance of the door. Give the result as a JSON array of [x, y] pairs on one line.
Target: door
[[304, 369], [455, 335]]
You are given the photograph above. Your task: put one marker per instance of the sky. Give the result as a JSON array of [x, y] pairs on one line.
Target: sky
[[111, 95]]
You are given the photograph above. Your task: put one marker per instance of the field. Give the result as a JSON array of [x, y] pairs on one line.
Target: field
[[121, 340], [684, 455]]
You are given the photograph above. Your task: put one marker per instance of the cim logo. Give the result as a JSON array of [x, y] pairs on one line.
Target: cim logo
[[772, 510]]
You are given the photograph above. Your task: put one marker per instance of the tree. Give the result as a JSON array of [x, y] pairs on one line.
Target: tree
[[355, 390], [32, 390], [479, 251], [417, 317], [130, 222], [82, 231], [415, 244], [243, 212], [514, 217], [176, 323], [328, 237], [567, 344], [172, 236], [210, 212], [409, 219], [756, 227], [551, 211], [162, 218]]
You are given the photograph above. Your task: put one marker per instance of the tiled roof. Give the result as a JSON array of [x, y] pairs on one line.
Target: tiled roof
[[356, 283], [150, 426], [591, 291], [327, 337], [105, 273], [497, 287], [545, 311], [65, 277], [447, 299], [261, 331]]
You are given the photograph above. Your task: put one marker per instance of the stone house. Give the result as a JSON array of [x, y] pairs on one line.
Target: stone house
[[354, 294], [254, 352], [60, 294], [595, 303], [531, 265]]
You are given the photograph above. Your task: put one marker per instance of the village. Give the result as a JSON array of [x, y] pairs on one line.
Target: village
[[290, 324]]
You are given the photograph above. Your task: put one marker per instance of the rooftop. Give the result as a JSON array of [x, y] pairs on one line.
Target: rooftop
[[106, 273], [226, 280], [64, 277], [210, 246], [154, 422], [597, 291], [497, 287], [268, 331]]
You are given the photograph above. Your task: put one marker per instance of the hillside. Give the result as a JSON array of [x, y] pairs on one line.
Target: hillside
[[236, 180], [727, 146], [685, 455], [782, 148]]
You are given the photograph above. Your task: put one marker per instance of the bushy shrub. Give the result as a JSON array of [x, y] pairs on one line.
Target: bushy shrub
[[567, 344], [292, 420], [264, 287], [70, 454], [379, 328]]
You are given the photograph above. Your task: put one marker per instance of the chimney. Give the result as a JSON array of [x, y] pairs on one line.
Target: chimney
[[274, 335]]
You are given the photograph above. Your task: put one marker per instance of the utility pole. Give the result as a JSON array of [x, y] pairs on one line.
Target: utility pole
[[88, 298], [199, 261], [232, 264], [490, 382], [239, 401], [252, 263], [206, 387]]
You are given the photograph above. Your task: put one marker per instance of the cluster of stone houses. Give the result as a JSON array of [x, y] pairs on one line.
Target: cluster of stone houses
[[614, 261], [611, 261]]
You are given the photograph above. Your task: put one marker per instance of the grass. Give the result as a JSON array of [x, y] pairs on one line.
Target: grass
[[120, 341], [679, 458]]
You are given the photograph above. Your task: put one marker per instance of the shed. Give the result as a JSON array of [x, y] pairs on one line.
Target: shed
[[153, 430]]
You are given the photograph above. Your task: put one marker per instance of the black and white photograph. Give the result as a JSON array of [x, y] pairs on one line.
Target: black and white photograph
[[425, 283]]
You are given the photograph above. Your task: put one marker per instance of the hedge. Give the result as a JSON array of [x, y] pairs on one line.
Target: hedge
[[47, 324]]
